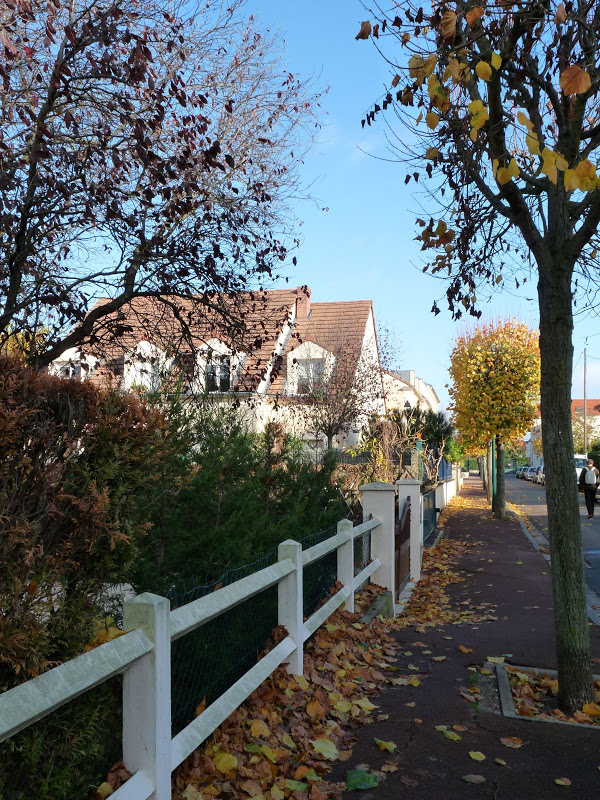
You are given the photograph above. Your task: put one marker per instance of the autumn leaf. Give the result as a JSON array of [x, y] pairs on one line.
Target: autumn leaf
[[451, 735], [389, 766], [561, 14], [365, 704], [496, 60], [301, 680], [268, 752], [361, 779], [464, 649], [512, 741], [105, 790], [574, 80], [562, 781], [474, 14], [224, 762], [251, 787], [190, 793], [432, 119], [500, 761], [326, 748], [593, 709], [473, 778], [315, 710], [483, 70], [391, 747], [287, 740], [259, 729], [506, 174], [295, 786], [365, 30], [448, 26], [476, 755]]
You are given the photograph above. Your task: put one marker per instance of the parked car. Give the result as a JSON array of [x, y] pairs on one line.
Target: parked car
[[530, 473], [520, 471], [540, 476]]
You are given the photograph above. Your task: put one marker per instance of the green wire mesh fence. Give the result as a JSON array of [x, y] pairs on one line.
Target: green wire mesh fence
[[318, 578], [208, 661]]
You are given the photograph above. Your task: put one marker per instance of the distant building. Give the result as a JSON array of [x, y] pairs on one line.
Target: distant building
[[533, 440], [403, 389], [286, 344]]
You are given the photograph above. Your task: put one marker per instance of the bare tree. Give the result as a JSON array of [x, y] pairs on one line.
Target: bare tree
[[146, 150], [338, 391]]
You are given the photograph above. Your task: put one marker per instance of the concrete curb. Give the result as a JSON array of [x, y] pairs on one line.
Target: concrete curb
[[383, 604], [506, 699], [404, 598], [538, 540]]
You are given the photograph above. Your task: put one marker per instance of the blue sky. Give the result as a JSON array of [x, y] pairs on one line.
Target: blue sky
[[363, 246]]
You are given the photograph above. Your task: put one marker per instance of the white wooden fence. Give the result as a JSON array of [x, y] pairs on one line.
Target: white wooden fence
[[143, 653]]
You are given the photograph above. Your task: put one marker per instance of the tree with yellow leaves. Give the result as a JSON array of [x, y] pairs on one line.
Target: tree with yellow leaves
[[502, 106], [495, 371]]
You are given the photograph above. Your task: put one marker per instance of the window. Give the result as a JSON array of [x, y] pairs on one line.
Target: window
[[145, 367], [310, 373], [148, 374], [71, 371], [218, 374]]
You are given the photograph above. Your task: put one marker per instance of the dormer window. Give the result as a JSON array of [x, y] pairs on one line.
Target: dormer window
[[70, 371], [310, 373], [146, 367], [218, 373]]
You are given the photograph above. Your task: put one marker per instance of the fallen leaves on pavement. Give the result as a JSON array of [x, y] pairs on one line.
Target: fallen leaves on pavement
[[535, 694], [283, 741], [430, 604]]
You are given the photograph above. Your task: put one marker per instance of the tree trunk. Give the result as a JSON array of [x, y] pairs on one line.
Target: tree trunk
[[330, 441], [490, 476], [500, 508], [482, 472], [568, 578]]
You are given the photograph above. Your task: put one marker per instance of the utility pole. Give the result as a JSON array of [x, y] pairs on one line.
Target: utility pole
[[585, 442]]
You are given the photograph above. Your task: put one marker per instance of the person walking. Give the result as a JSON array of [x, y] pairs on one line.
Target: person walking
[[588, 482]]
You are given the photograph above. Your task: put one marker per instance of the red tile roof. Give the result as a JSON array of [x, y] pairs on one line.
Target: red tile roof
[[337, 327], [593, 406], [264, 315]]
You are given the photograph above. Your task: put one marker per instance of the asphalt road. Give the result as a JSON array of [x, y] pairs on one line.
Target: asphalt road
[[532, 499]]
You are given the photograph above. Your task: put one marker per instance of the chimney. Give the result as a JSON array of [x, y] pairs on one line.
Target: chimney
[[302, 302]]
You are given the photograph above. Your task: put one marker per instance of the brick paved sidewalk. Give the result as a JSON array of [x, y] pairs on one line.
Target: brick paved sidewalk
[[504, 570]]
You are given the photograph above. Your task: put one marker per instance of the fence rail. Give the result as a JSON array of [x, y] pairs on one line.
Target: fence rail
[[351, 555], [142, 655]]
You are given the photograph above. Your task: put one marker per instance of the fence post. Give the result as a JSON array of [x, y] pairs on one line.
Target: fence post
[[147, 695], [379, 501], [290, 603], [409, 487], [345, 562]]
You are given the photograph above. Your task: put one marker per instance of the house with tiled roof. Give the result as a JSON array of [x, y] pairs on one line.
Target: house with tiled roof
[[404, 389], [287, 342]]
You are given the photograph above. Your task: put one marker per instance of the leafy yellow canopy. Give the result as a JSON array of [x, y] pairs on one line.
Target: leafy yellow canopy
[[495, 372]]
